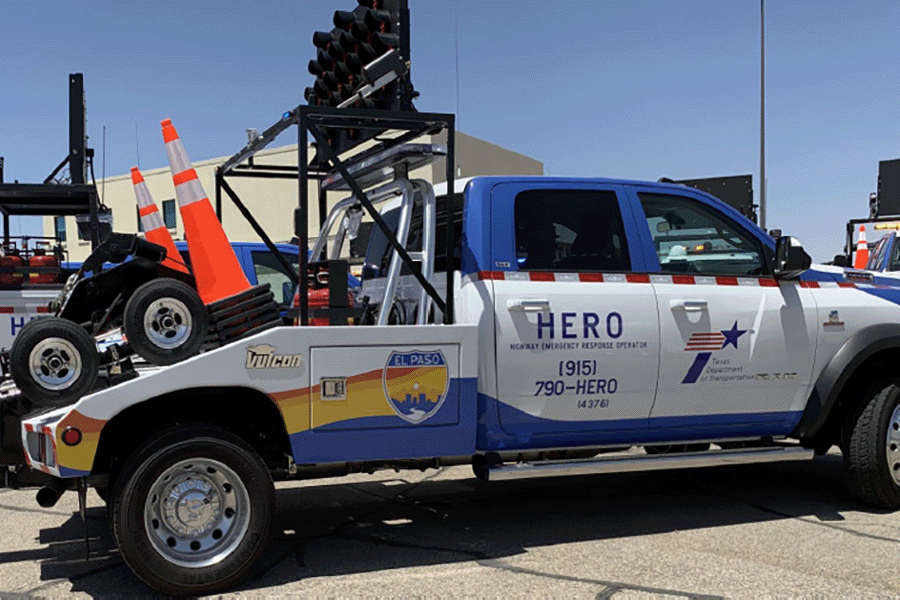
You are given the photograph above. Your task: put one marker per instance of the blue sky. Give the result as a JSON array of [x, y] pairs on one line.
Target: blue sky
[[636, 89]]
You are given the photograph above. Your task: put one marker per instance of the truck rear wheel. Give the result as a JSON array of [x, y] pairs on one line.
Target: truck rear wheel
[[165, 321], [872, 446], [193, 511], [54, 361]]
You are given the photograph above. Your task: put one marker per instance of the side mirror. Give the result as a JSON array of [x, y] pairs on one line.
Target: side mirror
[[790, 258], [841, 260]]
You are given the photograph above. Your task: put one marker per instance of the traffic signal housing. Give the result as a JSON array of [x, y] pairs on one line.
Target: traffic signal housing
[[363, 62]]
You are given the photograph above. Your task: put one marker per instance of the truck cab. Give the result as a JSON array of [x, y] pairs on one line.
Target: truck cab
[[621, 312]]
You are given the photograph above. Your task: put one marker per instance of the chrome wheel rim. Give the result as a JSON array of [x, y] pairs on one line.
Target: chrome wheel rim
[[167, 323], [55, 363], [892, 448], [197, 512]]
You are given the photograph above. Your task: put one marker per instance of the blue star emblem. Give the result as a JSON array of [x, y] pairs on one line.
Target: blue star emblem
[[732, 335]]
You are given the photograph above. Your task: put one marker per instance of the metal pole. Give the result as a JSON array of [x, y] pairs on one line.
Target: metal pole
[[450, 204], [301, 215], [762, 114], [219, 180]]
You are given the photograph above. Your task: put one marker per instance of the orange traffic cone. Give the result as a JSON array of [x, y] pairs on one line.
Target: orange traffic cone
[[862, 250], [216, 268], [154, 227]]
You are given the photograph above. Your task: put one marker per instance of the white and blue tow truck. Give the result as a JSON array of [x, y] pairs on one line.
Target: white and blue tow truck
[[587, 315]]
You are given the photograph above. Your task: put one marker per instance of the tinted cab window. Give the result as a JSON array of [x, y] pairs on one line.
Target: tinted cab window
[[570, 230], [691, 237]]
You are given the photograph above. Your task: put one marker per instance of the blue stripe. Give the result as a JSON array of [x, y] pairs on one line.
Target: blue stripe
[[699, 363], [66, 473], [520, 431], [813, 275], [890, 294]]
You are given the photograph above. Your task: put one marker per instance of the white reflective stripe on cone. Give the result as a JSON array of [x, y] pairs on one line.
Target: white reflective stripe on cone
[[144, 198], [189, 192], [152, 220], [178, 159]]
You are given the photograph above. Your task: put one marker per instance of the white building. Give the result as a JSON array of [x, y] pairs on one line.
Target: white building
[[271, 201]]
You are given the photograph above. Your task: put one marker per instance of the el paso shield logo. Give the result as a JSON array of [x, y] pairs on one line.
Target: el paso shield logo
[[415, 383]]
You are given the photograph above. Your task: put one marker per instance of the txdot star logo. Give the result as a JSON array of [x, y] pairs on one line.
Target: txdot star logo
[[705, 343]]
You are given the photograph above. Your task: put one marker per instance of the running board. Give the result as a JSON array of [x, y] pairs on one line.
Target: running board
[[639, 462]]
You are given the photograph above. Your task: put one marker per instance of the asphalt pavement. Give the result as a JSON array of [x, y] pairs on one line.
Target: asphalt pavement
[[775, 530]]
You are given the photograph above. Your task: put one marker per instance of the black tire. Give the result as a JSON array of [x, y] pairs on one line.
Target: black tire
[[54, 361], [872, 446], [165, 321], [230, 499]]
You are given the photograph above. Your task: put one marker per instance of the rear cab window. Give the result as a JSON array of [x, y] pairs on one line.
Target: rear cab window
[[570, 230]]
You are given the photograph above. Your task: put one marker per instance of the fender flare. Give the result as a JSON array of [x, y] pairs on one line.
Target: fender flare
[[831, 381]]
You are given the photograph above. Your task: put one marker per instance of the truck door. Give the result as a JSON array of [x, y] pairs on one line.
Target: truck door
[[737, 346], [577, 332]]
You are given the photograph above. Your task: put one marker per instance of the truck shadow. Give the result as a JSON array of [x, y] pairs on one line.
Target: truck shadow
[[375, 525], [395, 524]]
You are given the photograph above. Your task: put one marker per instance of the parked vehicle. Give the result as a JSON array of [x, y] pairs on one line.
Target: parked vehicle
[[885, 256]]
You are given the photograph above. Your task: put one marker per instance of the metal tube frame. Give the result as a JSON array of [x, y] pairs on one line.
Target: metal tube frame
[[309, 120]]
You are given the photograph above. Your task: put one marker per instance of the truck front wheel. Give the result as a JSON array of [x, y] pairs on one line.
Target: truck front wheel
[[872, 446], [165, 321], [193, 511]]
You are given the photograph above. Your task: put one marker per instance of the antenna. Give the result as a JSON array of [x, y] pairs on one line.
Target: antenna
[[456, 41], [103, 169], [137, 147]]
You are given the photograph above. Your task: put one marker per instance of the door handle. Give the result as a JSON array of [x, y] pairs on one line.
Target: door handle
[[527, 305], [688, 305]]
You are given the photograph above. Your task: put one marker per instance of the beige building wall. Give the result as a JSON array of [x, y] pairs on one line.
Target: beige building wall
[[272, 201]]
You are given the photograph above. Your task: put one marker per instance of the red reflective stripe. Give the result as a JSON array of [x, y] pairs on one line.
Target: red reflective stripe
[[637, 277], [645, 278], [43, 309], [184, 176], [7, 309], [482, 275], [146, 210], [541, 276]]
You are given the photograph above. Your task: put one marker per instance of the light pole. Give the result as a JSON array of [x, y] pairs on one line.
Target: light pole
[[762, 114]]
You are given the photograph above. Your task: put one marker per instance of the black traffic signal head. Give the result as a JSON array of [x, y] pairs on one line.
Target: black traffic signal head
[[371, 38]]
